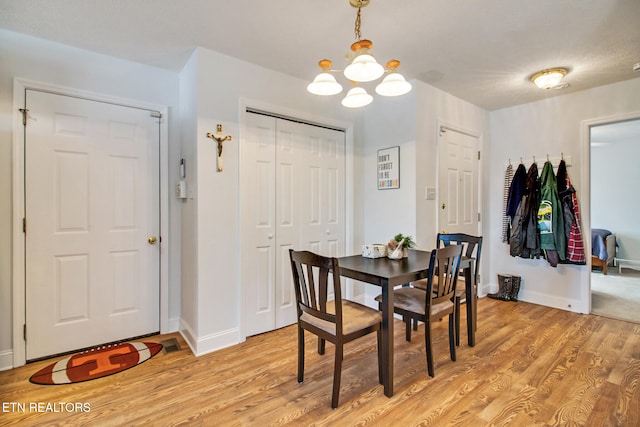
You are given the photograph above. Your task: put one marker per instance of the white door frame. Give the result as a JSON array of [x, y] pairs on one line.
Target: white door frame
[[245, 103], [446, 125], [18, 241], [585, 197]]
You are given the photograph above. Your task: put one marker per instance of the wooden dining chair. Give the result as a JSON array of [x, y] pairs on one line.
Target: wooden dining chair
[[434, 303], [472, 248], [338, 321]]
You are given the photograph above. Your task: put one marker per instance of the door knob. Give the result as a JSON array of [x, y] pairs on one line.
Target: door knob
[[152, 240], [444, 206]]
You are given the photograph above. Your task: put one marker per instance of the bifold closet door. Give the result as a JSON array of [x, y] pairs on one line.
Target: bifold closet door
[[292, 198]]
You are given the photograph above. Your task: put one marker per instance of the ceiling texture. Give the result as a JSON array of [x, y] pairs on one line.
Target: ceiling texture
[[482, 51]]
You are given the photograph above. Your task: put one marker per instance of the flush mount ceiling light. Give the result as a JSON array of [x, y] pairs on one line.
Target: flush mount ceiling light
[[363, 68], [549, 78]]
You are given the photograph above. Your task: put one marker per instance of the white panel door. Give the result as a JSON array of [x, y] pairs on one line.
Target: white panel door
[[289, 142], [458, 182], [258, 257], [295, 172], [92, 204], [322, 201]]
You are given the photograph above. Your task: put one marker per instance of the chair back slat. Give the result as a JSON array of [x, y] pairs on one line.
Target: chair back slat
[[445, 265]]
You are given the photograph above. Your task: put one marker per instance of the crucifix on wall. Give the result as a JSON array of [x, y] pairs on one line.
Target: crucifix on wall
[[220, 138]]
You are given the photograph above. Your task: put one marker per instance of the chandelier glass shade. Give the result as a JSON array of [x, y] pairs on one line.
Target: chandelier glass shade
[[357, 97], [362, 69], [394, 84], [549, 78], [324, 83]]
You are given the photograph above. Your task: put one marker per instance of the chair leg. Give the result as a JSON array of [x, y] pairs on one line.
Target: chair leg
[[300, 355], [321, 345], [427, 345], [452, 337], [457, 321], [415, 324], [337, 371], [407, 325], [408, 321], [379, 334]]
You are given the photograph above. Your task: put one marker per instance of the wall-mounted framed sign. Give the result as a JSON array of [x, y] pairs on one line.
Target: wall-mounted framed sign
[[389, 168]]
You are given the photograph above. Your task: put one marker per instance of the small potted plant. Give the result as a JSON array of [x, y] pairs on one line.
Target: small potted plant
[[406, 241]]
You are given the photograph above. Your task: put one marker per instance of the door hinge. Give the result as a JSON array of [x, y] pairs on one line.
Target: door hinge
[[24, 331], [478, 154], [156, 114], [478, 216], [24, 225], [25, 114]]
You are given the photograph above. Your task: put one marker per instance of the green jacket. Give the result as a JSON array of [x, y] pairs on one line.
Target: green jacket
[[550, 214]]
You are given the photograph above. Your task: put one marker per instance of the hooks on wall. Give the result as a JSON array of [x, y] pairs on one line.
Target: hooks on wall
[[555, 160]]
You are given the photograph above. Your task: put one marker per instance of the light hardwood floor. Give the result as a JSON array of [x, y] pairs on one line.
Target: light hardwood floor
[[531, 365]]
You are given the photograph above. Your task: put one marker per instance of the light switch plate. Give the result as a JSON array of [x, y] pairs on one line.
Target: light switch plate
[[430, 193]]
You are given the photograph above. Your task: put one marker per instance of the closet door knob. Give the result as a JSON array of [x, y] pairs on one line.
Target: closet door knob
[[270, 236], [443, 206]]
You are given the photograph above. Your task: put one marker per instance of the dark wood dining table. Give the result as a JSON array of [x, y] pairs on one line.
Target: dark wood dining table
[[387, 274]]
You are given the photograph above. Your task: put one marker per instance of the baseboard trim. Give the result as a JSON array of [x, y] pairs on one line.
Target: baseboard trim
[[209, 343], [6, 360]]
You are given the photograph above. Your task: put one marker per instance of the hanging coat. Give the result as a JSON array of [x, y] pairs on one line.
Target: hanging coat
[[517, 233], [508, 177], [532, 242], [516, 190], [551, 217], [575, 253], [524, 238]]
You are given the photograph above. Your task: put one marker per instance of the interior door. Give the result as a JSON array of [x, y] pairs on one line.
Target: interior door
[[92, 223], [258, 193], [458, 156], [293, 191], [322, 201]]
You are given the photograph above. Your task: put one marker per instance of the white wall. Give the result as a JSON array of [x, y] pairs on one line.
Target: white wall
[[552, 126], [224, 84], [52, 63], [389, 122], [189, 214], [412, 122], [614, 204]]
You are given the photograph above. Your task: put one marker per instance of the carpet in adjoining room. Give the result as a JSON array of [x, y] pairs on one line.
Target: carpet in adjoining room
[[616, 295]]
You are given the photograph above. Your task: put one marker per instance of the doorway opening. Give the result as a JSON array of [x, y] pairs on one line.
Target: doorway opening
[[614, 148]]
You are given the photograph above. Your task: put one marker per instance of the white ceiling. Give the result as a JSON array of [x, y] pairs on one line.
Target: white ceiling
[[482, 51]]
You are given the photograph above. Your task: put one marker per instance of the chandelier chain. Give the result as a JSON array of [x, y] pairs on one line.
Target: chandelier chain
[[357, 26]]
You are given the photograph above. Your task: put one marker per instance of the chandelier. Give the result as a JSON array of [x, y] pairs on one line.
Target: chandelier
[[362, 69]]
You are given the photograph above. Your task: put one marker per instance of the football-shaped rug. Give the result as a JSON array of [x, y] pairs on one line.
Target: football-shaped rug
[[96, 363]]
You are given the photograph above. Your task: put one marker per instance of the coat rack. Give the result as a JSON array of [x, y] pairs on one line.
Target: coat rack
[[218, 136], [554, 160]]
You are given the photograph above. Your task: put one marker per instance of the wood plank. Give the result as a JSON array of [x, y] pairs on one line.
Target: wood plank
[[531, 365]]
